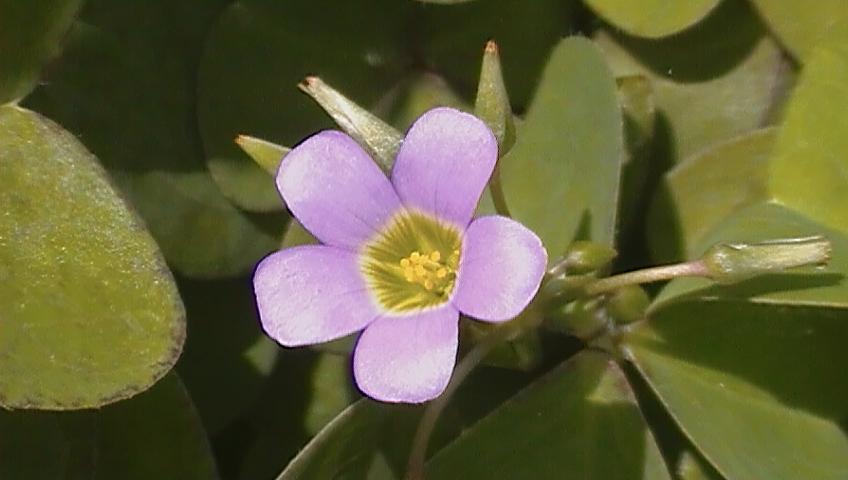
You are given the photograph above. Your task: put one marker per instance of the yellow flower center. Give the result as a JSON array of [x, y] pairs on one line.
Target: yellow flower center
[[411, 264], [430, 270]]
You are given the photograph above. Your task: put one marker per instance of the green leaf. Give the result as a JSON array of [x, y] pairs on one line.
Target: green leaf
[[90, 313], [357, 49], [800, 26], [416, 94], [711, 83], [332, 391], [30, 34], [563, 172], [327, 456], [652, 18], [150, 147], [741, 379], [296, 234], [700, 192], [227, 359], [692, 467], [266, 154], [157, 434], [579, 421], [753, 373], [378, 138], [154, 435], [810, 169]]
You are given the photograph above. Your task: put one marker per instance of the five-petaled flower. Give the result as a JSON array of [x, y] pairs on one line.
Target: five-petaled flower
[[401, 258]]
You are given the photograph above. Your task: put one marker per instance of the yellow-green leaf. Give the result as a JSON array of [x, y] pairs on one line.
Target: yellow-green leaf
[[89, 313]]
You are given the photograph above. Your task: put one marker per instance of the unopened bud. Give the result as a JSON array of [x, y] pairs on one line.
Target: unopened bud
[[584, 257], [492, 103], [582, 318], [266, 154], [734, 262], [628, 304], [380, 139]]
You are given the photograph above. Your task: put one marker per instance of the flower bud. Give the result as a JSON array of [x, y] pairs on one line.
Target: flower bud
[[734, 262], [584, 257], [582, 318], [380, 139], [628, 304], [492, 103], [266, 154]]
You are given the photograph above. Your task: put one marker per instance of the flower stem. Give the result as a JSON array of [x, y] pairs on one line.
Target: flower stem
[[694, 268], [496, 189], [418, 453]]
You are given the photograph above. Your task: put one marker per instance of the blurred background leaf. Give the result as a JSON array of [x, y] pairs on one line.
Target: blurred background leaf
[[126, 85], [257, 53], [799, 27], [719, 79], [154, 435], [30, 36]]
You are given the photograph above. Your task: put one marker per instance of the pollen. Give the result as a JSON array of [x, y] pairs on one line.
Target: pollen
[[429, 271], [412, 263]]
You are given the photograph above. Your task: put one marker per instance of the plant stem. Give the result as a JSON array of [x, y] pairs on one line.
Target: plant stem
[[496, 189], [694, 268], [418, 453]]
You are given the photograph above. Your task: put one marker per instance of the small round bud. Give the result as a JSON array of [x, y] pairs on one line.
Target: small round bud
[[582, 318], [628, 304], [585, 257]]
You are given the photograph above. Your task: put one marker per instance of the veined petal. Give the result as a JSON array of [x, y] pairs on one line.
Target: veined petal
[[444, 164], [312, 294], [500, 269], [336, 191], [407, 359]]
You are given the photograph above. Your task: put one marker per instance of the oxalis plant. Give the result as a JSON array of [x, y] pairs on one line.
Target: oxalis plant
[[619, 254]]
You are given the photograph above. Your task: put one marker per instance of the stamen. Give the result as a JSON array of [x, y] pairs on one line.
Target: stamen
[[429, 271]]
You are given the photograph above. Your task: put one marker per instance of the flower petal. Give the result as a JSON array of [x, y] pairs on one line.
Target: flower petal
[[312, 294], [500, 269], [336, 191], [407, 359], [444, 164]]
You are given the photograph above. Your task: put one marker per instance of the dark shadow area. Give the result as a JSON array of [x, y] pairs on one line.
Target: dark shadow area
[[707, 50], [670, 438], [215, 367], [643, 193], [450, 39], [765, 284]]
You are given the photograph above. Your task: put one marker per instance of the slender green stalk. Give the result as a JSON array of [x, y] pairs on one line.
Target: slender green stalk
[[418, 453], [496, 190], [694, 268]]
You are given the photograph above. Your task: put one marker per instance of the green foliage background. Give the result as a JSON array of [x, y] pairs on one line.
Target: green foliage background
[[130, 222]]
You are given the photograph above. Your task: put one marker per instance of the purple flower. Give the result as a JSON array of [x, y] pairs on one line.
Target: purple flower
[[400, 259]]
